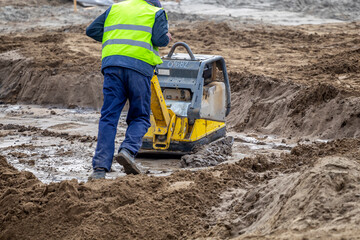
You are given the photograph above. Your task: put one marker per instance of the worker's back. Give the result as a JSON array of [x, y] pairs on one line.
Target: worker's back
[[128, 32], [131, 32]]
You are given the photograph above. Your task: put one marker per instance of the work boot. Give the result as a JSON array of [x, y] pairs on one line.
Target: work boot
[[127, 160], [98, 173]]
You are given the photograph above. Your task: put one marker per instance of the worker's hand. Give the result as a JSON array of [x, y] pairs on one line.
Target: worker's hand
[[169, 35]]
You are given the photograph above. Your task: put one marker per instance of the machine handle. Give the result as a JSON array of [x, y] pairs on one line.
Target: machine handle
[[227, 86], [194, 107], [172, 50]]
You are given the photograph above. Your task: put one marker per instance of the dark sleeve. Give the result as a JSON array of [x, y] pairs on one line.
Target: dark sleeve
[[160, 29], [96, 29]]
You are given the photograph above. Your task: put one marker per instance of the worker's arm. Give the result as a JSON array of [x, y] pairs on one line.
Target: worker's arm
[[96, 29], [160, 30]]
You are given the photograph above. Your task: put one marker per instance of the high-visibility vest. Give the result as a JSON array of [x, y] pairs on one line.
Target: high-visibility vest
[[128, 31]]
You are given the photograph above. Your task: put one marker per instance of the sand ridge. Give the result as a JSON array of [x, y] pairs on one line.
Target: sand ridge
[[144, 208]]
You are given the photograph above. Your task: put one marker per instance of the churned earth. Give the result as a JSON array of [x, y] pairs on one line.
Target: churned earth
[[293, 171], [312, 191]]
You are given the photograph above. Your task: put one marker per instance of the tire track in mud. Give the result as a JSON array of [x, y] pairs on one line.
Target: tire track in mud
[[47, 133]]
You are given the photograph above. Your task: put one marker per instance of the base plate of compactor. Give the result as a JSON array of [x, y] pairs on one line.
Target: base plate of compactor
[[179, 148]]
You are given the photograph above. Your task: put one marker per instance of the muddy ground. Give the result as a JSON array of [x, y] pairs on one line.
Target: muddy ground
[[311, 193], [293, 171]]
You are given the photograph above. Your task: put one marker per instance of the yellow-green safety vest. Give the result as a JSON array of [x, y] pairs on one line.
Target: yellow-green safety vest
[[128, 31]]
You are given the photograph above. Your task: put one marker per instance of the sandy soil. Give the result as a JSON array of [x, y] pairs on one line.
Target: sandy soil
[[293, 171], [313, 191]]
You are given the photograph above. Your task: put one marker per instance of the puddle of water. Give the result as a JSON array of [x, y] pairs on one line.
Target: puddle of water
[[53, 159], [259, 142]]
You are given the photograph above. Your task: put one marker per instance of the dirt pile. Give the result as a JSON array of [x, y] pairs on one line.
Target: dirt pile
[[48, 68], [316, 196], [308, 54], [271, 106], [130, 208], [69, 60], [209, 155], [178, 206], [342, 63], [320, 201]]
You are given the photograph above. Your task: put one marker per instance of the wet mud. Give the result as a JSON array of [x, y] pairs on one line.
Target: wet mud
[[209, 155], [46, 133], [51, 143]]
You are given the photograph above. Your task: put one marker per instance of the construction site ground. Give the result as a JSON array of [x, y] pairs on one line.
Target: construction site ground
[[294, 170]]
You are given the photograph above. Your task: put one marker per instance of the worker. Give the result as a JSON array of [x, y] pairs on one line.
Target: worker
[[131, 32]]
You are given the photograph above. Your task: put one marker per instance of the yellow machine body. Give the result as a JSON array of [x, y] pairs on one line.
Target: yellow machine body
[[166, 127], [195, 105]]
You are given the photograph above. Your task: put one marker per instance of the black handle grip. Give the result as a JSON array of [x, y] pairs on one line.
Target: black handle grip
[[172, 50]]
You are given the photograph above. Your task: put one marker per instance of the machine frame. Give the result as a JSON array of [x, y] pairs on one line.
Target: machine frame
[[180, 134]]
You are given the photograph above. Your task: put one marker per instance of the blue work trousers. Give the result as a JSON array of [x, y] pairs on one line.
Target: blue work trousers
[[121, 84]]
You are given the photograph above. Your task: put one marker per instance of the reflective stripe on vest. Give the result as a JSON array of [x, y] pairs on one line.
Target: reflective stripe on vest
[[132, 43], [128, 27], [128, 31]]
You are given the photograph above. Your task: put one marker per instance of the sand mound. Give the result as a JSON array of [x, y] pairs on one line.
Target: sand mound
[[318, 201], [273, 107], [129, 208], [179, 206], [341, 63], [58, 73]]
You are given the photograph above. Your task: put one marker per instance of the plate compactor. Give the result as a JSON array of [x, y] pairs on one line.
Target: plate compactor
[[190, 98]]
